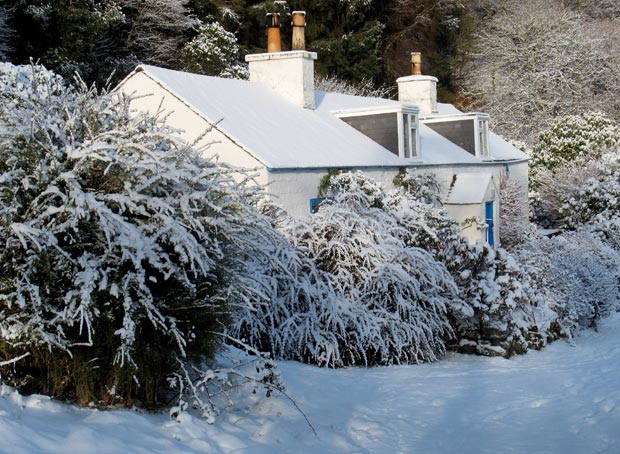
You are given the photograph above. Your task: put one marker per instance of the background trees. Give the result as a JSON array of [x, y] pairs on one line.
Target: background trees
[[533, 61]]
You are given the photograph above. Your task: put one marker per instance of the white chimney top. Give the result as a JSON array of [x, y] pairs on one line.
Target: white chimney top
[[290, 74], [418, 89]]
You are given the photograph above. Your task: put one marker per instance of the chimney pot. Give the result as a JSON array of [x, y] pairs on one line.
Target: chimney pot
[[274, 43], [299, 33], [416, 63]]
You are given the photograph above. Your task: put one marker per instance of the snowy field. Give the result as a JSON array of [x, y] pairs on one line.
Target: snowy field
[[565, 399]]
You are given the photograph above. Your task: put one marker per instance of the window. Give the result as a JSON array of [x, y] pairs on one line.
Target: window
[[409, 136], [468, 131], [316, 202], [483, 137], [394, 128]]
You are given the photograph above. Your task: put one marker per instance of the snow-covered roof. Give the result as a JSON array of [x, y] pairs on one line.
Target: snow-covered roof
[[272, 129], [502, 150], [282, 135], [469, 188]]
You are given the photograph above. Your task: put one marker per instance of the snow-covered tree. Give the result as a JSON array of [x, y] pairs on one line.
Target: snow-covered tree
[[604, 9], [514, 224], [574, 137], [158, 30], [215, 52], [333, 84], [534, 61], [123, 252], [575, 171]]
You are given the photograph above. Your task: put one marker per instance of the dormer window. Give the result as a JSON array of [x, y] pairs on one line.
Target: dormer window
[[468, 131], [393, 127]]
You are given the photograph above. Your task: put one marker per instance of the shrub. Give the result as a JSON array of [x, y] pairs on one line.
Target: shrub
[[579, 275], [360, 296], [123, 250], [571, 138], [505, 314]]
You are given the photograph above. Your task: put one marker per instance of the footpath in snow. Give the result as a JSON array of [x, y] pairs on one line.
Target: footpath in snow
[[564, 399]]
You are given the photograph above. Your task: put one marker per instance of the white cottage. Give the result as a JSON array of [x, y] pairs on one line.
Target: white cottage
[[277, 123]]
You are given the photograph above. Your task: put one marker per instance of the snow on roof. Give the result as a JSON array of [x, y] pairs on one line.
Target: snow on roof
[[502, 150], [469, 188], [284, 136], [272, 129]]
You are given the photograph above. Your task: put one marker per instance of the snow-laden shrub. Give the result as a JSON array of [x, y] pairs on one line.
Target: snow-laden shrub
[[122, 250], [353, 292], [514, 224], [215, 52], [571, 138], [579, 192], [578, 273], [505, 314]]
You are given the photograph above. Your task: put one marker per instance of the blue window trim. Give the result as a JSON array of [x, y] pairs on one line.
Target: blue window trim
[[314, 203], [489, 212]]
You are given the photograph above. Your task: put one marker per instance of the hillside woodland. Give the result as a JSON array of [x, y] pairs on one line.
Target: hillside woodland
[[128, 260]]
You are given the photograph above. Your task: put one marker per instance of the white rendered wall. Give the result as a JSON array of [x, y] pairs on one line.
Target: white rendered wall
[[190, 124], [293, 189]]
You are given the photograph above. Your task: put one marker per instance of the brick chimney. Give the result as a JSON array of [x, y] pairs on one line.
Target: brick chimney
[[418, 89], [291, 73]]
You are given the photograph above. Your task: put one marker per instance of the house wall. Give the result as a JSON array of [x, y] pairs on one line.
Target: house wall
[[293, 189], [192, 126]]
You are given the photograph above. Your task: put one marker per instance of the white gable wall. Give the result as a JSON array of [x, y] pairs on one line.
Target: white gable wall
[[191, 124]]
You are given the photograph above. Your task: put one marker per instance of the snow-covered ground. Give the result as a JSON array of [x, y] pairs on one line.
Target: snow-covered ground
[[565, 399]]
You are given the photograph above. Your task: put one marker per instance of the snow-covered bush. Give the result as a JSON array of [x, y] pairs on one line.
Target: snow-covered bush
[[575, 171], [215, 52], [579, 192], [123, 252], [578, 273], [514, 225], [353, 292], [573, 137], [505, 315]]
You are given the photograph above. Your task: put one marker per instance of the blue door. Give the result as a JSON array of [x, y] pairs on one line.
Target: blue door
[[490, 224]]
